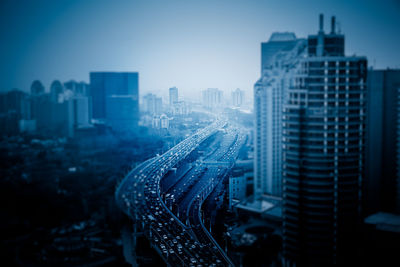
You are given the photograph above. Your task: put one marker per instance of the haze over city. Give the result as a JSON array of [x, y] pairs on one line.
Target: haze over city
[[188, 44], [200, 133]]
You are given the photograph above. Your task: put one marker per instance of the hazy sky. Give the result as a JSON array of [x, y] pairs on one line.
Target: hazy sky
[[185, 43]]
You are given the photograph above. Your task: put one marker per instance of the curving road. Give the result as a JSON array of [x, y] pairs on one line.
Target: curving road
[[178, 234]]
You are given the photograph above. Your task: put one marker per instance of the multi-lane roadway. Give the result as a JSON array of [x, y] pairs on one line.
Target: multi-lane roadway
[[170, 215]]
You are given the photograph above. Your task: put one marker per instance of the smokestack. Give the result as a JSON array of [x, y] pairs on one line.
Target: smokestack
[[321, 22], [333, 24]]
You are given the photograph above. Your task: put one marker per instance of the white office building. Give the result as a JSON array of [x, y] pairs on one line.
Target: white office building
[[279, 59]]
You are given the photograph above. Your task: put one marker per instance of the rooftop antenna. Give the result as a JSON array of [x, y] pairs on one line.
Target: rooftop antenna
[[321, 22], [333, 24]]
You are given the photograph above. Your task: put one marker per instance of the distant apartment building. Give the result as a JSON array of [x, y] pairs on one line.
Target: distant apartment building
[[81, 111], [15, 106], [160, 122], [152, 104], [181, 108], [212, 98], [56, 89], [323, 154], [173, 95], [56, 113], [78, 88], [238, 98]]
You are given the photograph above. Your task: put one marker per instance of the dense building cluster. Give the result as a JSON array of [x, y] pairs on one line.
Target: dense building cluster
[[309, 177]]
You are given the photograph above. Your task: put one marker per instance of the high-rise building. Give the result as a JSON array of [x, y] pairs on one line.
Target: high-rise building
[[173, 96], [158, 105], [56, 89], [78, 88], [69, 115], [41, 111], [152, 104], [269, 96], [237, 98], [181, 108], [61, 120], [105, 84], [323, 154], [81, 111], [212, 98], [381, 143], [14, 107]]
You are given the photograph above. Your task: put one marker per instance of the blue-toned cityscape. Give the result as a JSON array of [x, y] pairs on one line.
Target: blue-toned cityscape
[[292, 160]]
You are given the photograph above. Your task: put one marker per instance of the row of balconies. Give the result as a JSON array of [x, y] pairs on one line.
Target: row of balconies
[[310, 123], [329, 137], [314, 156], [296, 129], [320, 176], [311, 167], [319, 148], [322, 143], [330, 111], [317, 63], [334, 89], [334, 96], [332, 82]]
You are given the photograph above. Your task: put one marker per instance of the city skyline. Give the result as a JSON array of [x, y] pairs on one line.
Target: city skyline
[[225, 37], [160, 158]]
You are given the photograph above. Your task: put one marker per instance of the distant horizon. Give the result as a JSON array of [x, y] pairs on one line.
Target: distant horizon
[[190, 45]]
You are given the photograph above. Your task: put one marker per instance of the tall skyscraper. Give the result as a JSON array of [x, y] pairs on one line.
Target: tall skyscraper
[[279, 64], [173, 96], [105, 84], [381, 143], [323, 154]]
